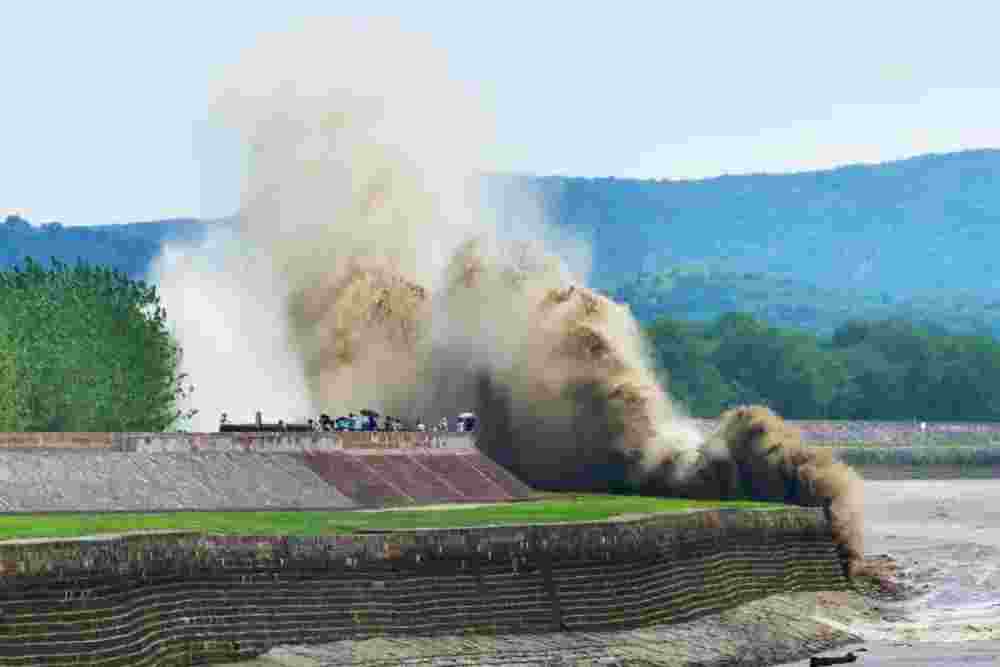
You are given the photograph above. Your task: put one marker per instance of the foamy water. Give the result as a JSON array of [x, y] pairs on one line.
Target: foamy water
[[945, 534]]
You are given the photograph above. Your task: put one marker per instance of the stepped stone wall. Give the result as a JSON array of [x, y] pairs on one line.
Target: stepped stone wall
[[185, 599]]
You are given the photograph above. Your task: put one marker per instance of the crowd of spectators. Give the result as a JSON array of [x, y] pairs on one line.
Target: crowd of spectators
[[368, 420], [818, 431]]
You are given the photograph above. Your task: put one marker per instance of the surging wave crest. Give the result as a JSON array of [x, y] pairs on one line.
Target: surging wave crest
[[381, 279]]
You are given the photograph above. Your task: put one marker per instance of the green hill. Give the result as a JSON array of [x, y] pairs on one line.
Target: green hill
[[695, 292], [904, 228], [911, 239]]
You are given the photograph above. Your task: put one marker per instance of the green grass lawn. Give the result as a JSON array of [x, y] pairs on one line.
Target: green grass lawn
[[553, 508]]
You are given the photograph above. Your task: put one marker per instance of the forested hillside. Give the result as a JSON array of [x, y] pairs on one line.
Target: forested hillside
[[902, 227], [912, 239], [129, 248], [889, 370], [856, 293], [694, 292]]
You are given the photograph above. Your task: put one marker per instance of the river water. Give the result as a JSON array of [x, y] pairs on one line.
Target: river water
[[945, 536]]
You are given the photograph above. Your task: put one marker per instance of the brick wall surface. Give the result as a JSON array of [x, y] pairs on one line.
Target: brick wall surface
[[182, 599]]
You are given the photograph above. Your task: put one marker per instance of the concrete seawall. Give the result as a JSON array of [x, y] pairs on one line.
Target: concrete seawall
[[103, 472], [158, 443], [187, 599], [886, 433]]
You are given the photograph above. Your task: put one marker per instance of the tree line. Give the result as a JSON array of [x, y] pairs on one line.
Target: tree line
[[85, 349], [88, 349], [886, 370], [701, 291]]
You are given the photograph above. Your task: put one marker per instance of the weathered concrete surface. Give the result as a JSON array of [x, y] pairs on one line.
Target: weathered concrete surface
[[290, 442], [151, 443], [34, 480], [813, 431], [373, 477], [18, 440], [114, 481]]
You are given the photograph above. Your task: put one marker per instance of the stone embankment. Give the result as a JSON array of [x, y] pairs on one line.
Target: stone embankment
[[101, 472], [262, 442], [886, 433], [186, 599]]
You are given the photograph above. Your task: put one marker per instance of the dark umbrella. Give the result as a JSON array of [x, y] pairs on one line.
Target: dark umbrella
[[369, 413]]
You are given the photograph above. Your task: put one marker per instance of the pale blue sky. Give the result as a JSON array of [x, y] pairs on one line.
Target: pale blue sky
[[105, 104]]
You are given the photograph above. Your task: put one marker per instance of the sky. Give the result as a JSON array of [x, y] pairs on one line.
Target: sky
[[105, 105]]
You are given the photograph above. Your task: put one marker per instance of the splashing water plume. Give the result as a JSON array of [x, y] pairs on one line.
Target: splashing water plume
[[392, 285]]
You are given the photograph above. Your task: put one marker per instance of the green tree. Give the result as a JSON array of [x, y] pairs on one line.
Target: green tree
[[887, 369], [683, 356], [93, 351], [8, 379]]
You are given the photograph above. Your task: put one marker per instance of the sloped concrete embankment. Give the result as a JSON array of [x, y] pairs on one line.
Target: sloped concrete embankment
[[150, 472], [374, 478], [84, 481], [184, 599]]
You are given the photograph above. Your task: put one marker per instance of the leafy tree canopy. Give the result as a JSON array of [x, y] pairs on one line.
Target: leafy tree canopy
[[889, 369], [90, 351]]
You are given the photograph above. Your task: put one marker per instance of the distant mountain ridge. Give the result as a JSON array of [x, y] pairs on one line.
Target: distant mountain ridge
[[904, 227], [866, 238]]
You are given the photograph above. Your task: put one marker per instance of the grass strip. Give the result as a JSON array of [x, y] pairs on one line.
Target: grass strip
[[553, 509]]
